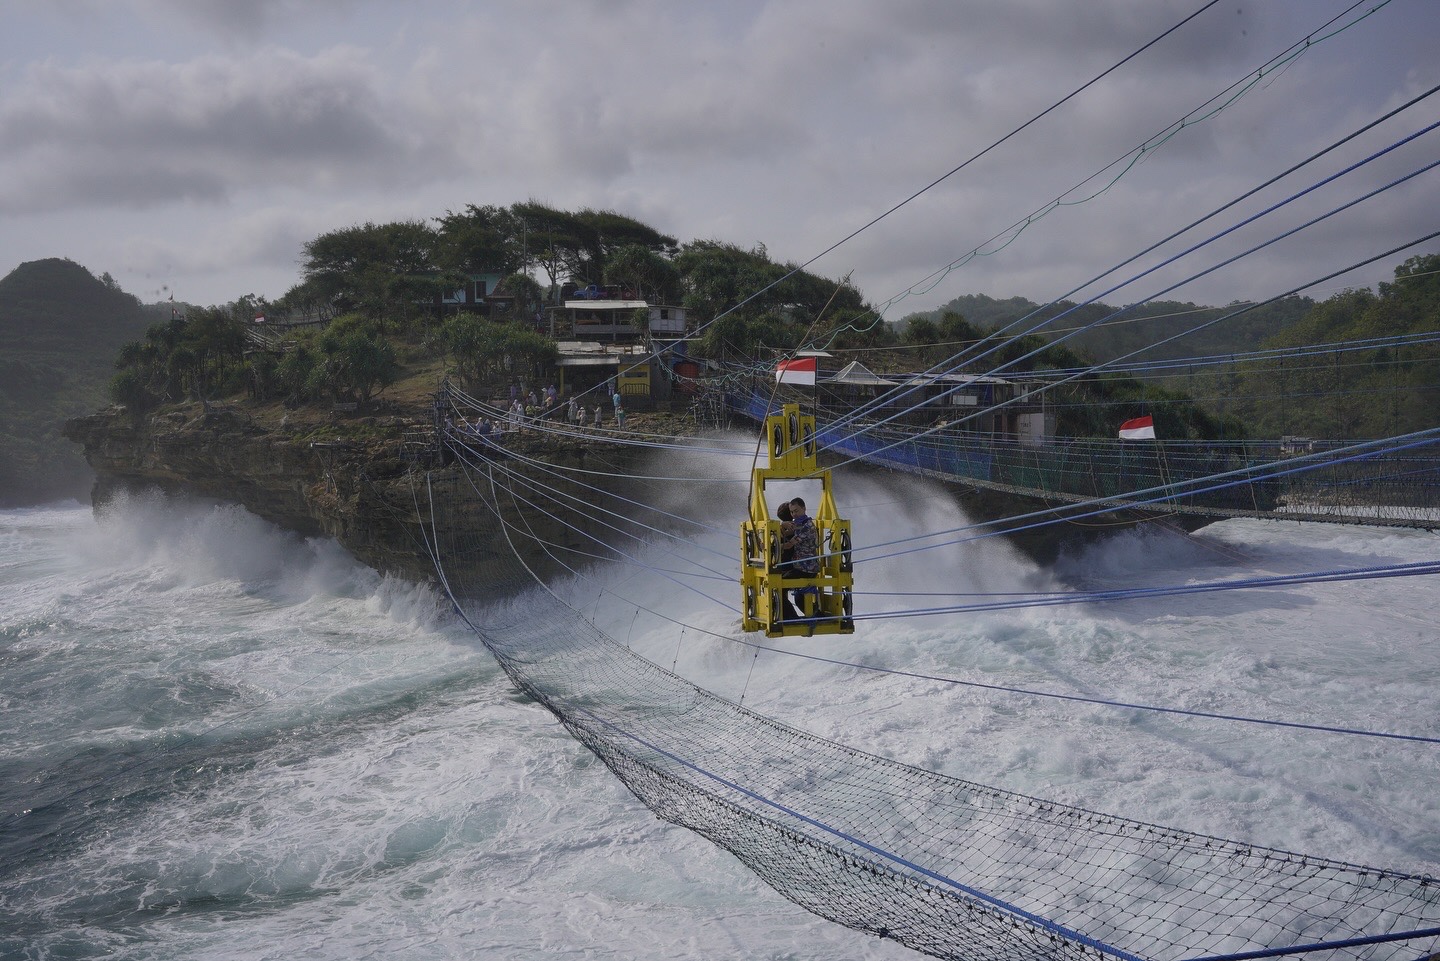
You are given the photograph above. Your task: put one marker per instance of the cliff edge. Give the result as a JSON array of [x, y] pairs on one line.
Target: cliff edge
[[344, 480], [357, 477]]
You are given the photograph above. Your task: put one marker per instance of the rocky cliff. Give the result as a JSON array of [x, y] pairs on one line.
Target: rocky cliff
[[361, 480], [349, 485]]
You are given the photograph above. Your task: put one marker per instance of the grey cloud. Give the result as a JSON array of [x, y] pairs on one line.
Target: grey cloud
[[579, 114], [249, 20], [118, 133], [787, 122]]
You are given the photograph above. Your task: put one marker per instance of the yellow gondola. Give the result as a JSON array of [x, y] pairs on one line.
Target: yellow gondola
[[823, 601]]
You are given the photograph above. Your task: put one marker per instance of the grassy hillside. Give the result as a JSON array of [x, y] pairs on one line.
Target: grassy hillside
[[60, 330]]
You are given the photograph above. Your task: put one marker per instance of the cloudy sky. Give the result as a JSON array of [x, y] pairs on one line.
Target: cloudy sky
[[193, 146]]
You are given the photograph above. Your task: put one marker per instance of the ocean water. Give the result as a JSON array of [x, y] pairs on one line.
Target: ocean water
[[223, 741]]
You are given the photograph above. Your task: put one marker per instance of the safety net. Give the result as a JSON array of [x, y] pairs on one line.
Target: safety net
[[945, 866]]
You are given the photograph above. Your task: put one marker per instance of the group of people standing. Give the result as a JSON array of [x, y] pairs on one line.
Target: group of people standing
[[525, 408], [577, 414]]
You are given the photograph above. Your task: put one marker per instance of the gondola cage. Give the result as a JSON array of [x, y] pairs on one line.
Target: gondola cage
[[823, 601]]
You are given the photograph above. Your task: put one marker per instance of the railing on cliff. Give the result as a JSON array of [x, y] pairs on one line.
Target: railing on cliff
[[277, 338], [1333, 482]]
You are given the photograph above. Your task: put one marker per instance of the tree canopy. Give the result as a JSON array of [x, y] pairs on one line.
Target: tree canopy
[[1379, 392]]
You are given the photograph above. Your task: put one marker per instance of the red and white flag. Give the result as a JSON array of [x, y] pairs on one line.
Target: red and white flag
[[801, 370], [1139, 428]]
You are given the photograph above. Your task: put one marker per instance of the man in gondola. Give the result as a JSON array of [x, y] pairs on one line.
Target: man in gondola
[[787, 554], [804, 562]]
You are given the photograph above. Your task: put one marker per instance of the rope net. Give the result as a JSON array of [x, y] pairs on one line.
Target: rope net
[[947, 867]]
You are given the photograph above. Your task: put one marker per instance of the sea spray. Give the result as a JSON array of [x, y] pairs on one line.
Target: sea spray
[[328, 762]]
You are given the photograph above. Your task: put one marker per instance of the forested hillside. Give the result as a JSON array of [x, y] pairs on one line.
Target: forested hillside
[[60, 329], [1361, 364], [1120, 331]]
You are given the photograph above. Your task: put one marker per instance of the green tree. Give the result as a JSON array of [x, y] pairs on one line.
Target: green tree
[[774, 304], [577, 246], [1347, 393], [474, 345], [128, 389], [922, 332], [529, 298], [261, 375], [293, 375], [554, 238], [481, 349], [605, 232], [652, 276], [955, 330], [480, 239], [385, 271], [358, 361]]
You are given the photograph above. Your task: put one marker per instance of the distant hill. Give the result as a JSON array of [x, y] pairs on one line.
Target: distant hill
[[60, 331], [1136, 327], [1328, 373]]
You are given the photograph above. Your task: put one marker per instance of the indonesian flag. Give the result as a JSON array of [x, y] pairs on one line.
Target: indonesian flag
[[1140, 428], [259, 318], [798, 371]]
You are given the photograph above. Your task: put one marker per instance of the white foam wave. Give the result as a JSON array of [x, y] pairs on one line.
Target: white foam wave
[[966, 694], [427, 813]]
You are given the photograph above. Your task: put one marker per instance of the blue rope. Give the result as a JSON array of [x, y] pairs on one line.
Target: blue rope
[[1104, 702], [958, 357], [1415, 569], [1246, 83], [1328, 946], [1168, 492], [1402, 570]]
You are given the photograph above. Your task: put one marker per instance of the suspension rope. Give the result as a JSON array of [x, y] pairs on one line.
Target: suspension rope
[[661, 351], [1294, 290], [1301, 464], [1036, 600], [630, 558], [993, 371], [1284, 59]]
